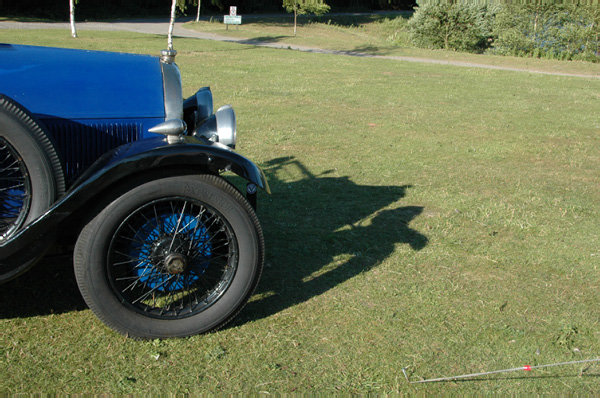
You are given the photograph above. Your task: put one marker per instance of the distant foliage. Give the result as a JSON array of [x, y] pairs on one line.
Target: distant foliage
[[551, 31], [509, 2], [535, 30], [373, 4]]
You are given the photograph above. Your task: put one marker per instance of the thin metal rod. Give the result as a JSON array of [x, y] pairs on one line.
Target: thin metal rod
[[526, 368]]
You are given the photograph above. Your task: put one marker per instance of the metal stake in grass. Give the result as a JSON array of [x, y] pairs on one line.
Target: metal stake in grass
[[526, 368]]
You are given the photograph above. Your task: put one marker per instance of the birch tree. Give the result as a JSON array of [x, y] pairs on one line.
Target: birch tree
[[72, 17], [174, 5]]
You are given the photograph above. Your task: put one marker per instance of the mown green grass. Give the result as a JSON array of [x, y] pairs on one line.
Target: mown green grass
[[438, 218], [335, 32]]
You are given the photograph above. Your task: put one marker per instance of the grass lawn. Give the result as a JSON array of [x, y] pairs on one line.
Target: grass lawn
[[432, 217]]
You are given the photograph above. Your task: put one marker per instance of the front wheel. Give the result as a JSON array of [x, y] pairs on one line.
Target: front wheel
[[172, 257]]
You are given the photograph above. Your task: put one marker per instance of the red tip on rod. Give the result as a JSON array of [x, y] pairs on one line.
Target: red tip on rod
[[526, 367]]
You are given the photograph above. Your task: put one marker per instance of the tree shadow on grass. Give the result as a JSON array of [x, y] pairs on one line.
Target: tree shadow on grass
[[321, 231], [263, 40]]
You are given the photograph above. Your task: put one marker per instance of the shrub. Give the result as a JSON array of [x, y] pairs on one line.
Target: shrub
[[452, 27]]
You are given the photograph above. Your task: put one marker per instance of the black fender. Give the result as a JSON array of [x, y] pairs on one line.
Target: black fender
[[190, 153]]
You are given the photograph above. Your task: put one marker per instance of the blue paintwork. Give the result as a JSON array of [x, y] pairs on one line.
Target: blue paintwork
[[83, 86]]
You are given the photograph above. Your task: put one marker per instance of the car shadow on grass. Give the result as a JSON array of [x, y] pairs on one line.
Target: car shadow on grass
[[323, 230], [48, 288]]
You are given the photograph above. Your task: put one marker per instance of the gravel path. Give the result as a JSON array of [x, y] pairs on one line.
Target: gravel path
[[160, 27]]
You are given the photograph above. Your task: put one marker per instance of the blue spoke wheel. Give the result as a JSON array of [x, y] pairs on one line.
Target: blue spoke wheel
[[171, 257], [15, 189]]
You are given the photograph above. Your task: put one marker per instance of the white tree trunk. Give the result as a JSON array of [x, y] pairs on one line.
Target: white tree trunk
[[72, 12], [198, 14], [295, 19], [171, 25]]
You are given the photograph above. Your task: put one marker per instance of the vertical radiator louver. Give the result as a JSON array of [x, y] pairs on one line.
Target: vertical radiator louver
[[81, 144]]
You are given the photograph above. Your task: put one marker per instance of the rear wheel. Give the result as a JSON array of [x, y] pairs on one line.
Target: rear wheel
[[31, 176], [171, 258]]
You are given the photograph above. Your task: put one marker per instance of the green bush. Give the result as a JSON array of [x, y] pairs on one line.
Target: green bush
[[452, 27]]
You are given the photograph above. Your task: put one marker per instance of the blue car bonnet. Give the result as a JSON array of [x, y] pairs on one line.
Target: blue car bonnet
[[79, 84]]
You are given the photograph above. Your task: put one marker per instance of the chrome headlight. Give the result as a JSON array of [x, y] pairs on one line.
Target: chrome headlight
[[220, 127], [226, 126]]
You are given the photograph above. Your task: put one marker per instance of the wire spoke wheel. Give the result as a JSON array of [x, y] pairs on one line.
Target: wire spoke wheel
[[15, 190], [172, 258]]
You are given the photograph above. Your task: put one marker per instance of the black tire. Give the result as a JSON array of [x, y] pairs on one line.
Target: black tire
[[31, 175], [172, 257]]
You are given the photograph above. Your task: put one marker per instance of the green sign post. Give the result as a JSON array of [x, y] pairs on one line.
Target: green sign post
[[232, 19]]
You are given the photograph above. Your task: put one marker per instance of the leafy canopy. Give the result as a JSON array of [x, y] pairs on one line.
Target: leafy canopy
[[300, 7]]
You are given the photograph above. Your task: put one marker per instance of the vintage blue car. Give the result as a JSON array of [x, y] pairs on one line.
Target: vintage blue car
[[100, 152]]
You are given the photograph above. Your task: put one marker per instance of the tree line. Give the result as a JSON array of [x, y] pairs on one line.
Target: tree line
[[99, 9]]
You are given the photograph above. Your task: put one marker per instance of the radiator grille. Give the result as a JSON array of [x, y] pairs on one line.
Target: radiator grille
[[81, 144]]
